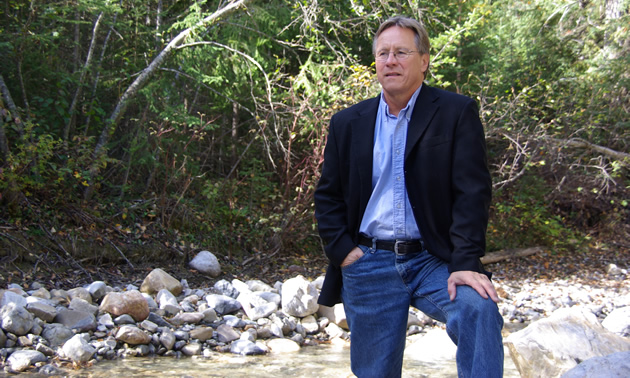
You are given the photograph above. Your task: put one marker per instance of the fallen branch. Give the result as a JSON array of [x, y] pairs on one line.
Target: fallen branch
[[508, 254]]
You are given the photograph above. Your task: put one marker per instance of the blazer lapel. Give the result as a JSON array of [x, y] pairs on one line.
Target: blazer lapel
[[363, 145], [423, 112]]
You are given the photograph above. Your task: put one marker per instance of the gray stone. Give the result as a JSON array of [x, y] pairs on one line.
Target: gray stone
[[222, 304], [206, 263], [80, 292], [78, 349], [42, 310], [21, 360], [246, 348], [283, 346], [224, 287], [616, 365], [166, 301], [79, 321], [16, 319], [227, 334], [98, 289], [8, 296], [167, 339], [80, 304], [56, 334]]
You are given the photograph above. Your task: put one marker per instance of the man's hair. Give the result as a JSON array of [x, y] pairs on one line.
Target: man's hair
[[423, 44]]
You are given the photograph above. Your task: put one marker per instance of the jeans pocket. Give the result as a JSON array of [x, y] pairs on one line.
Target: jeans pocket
[[365, 250]]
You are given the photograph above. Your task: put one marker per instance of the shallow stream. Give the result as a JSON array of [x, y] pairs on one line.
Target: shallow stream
[[315, 361]]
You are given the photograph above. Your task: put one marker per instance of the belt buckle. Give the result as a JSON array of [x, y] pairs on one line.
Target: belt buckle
[[396, 244]]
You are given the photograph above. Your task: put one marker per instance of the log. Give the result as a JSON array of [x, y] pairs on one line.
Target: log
[[509, 253]]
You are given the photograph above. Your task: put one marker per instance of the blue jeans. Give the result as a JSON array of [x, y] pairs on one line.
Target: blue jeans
[[377, 292]]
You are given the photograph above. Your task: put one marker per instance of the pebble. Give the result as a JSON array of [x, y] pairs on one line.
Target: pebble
[[48, 331]]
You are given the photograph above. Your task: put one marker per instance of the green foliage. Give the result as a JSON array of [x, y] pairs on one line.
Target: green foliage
[[223, 146]]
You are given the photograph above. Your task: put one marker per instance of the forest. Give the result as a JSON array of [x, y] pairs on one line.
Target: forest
[[141, 131]]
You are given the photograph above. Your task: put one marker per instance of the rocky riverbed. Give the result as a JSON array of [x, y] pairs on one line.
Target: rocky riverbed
[[50, 330]]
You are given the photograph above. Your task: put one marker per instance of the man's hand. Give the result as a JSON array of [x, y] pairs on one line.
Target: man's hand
[[478, 281], [353, 256]]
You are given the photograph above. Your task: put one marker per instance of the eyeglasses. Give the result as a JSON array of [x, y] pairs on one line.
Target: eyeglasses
[[400, 55]]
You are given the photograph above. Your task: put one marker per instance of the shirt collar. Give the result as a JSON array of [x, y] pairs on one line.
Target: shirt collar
[[407, 111]]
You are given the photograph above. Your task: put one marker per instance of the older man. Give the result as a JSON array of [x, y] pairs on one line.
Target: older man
[[402, 206]]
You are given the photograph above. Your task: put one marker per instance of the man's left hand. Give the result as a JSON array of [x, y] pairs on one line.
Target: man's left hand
[[478, 281]]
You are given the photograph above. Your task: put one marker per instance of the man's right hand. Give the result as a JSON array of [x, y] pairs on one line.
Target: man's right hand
[[353, 256]]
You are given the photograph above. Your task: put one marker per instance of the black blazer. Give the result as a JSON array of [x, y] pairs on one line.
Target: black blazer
[[446, 175]]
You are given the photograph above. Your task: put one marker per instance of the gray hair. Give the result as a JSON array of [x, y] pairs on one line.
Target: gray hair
[[423, 44]]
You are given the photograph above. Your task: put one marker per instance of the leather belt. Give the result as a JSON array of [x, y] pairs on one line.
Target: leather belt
[[401, 247]]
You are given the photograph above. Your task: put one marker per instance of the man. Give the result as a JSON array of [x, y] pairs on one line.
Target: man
[[402, 207]]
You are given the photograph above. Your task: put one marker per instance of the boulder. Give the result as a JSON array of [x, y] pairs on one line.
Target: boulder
[[616, 365], [554, 345]]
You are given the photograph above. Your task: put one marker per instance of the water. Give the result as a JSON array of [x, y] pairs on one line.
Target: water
[[316, 361]]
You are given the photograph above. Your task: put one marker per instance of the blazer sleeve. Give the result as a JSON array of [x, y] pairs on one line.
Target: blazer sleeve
[[471, 186], [331, 207]]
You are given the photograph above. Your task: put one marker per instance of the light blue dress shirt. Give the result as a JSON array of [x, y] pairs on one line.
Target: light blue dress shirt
[[388, 215]]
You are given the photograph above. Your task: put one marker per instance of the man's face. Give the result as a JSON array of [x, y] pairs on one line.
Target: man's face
[[399, 78]]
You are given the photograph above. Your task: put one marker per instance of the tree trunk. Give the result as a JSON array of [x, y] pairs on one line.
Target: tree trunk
[[132, 90], [79, 92]]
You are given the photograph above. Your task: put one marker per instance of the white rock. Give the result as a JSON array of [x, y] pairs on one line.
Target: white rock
[[299, 297], [77, 349], [206, 263]]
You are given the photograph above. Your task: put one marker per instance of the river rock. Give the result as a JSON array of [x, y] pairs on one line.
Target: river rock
[[79, 321], [41, 293], [168, 302], [618, 321], [8, 296], [21, 360], [310, 324], [158, 280], [554, 345], [255, 306], [80, 304], [42, 310], [167, 338], [206, 263], [246, 348], [130, 302], [3, 338], [98, 289], [224, 287], [226, 333], [132, 335], [223, 304], [187, 318], [336, 314], [616, 365], [80, 292], [56, 334], [283, 346], [202, 333], [78, 349], [299, 297], [15, 319]]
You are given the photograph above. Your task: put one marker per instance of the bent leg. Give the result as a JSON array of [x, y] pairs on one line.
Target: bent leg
[[472, 322]]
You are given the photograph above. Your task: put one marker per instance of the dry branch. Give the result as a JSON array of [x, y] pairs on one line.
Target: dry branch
[[508, 254]]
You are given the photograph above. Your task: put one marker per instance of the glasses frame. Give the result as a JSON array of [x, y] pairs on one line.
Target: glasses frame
[[399, 55]]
